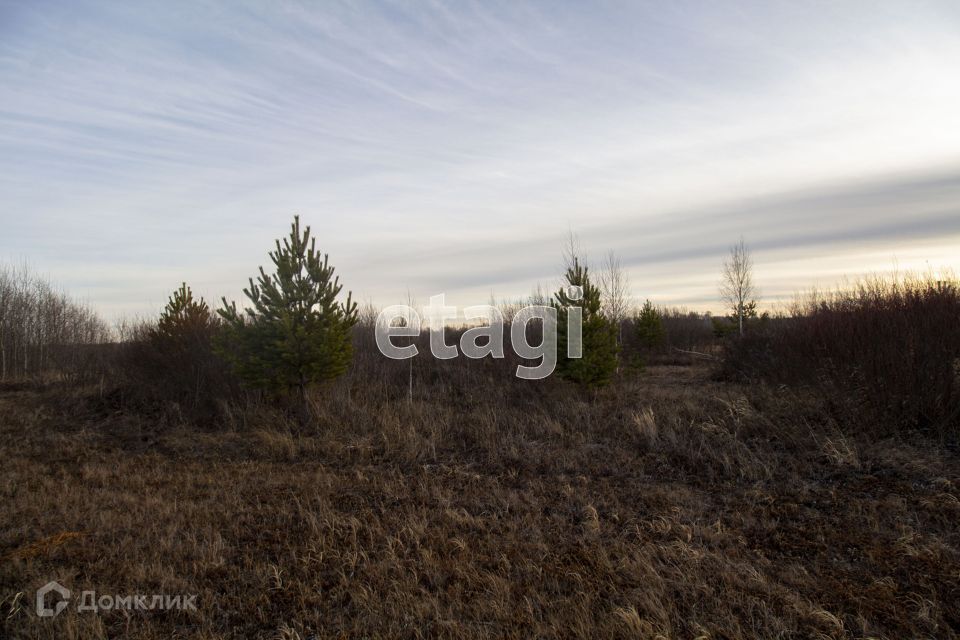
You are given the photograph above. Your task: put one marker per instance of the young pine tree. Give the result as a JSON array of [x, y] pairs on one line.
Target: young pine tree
[[297, 333], [179, 354], [648, 327], [183, 321], [599, 336]]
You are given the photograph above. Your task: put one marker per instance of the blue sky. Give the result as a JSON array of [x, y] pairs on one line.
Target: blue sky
[[448, 147]]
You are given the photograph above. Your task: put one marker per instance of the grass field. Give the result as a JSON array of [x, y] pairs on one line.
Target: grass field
[[668, 505]]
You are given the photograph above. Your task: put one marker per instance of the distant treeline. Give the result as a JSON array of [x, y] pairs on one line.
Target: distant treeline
[[39, 324]]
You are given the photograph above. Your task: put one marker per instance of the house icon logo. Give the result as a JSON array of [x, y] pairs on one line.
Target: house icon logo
[[47, 612]]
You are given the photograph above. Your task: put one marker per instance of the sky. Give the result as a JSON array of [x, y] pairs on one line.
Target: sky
[[450, 147]]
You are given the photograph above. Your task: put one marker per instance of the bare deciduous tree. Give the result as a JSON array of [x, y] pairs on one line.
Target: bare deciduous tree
[[42, 329], [571, 252], [615, 289], [736, 285]]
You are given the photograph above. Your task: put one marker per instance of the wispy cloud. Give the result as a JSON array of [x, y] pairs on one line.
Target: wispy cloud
[[448, 146]]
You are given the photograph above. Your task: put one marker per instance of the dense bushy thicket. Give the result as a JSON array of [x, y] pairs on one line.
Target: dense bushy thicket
[[145, 376], [884, 354], [296, 335], [170, 367]]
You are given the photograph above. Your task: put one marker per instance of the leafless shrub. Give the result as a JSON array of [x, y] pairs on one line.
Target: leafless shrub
[[883, 353]]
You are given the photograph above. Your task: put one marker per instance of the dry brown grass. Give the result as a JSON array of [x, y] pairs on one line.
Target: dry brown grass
[[668, 505]]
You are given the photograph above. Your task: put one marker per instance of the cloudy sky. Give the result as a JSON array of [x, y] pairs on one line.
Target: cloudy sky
[[448, 147]]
